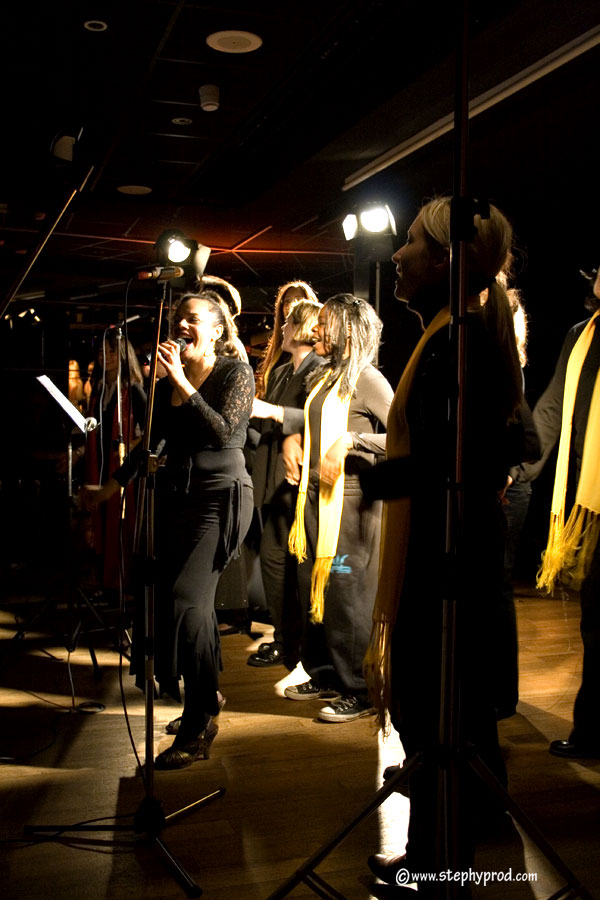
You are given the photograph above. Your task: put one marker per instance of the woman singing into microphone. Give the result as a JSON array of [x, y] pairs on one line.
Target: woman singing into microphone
[[204, 508]]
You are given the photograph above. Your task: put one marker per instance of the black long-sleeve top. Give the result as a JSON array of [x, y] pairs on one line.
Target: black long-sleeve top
[[287, 389], [194, 435]]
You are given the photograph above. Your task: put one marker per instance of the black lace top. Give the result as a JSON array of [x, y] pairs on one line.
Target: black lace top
[[196, 436]]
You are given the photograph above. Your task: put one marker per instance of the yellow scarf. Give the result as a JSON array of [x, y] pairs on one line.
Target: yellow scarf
[[334, 423], [394, 537], [571, 546]]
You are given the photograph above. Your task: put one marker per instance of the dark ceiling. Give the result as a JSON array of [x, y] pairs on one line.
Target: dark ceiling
[[334, 84]]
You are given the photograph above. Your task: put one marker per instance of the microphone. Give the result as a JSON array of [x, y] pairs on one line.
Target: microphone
[[182, 343], [127, 321], [159, 273]]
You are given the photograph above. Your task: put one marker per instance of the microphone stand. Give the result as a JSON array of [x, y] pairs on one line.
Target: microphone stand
[[149, 818], [452, 754]]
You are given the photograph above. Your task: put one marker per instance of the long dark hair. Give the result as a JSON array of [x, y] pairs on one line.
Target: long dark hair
[[350, 320]]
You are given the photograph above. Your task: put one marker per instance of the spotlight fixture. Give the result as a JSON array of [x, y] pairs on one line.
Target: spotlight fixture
[[374, 218], [371, 226], [174, 247]]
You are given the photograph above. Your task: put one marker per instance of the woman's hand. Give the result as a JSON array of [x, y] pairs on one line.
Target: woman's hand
[[291, 452], [332, 463], [169, 357], [92, 496], [263, 410]]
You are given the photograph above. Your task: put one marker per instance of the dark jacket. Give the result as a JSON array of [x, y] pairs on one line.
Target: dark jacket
[[288, 389]]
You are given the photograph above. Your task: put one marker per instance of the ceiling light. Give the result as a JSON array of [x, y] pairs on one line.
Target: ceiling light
[[135, 189], [209, 97], [181, 120], [95, 25], [234, 41]]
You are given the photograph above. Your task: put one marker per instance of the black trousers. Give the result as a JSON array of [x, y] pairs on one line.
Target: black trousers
[[279, 571], [586, 718], [332, 652], [416, 678], [194, 552]]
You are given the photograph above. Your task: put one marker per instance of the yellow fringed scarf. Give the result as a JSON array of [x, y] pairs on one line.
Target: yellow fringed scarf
[[334, 423], [571, 546], [394, 538]]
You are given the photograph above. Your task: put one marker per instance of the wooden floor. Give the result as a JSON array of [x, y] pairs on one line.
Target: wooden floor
[[290, 780]]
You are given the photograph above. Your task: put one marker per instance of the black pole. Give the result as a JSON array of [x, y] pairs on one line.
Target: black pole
[[43, 240]]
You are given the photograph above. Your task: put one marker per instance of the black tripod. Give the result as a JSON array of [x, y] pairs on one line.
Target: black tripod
[[149, 818], [451, 756]]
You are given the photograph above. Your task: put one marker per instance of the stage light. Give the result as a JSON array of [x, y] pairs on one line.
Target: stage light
[[371, 227], [174, 247], [177, 251], [373, 218], [377, 219], [350, 226]]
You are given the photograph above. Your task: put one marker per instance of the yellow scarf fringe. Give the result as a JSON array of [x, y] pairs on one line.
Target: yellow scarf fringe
[[395, 531], [571, 545], [334, 423]]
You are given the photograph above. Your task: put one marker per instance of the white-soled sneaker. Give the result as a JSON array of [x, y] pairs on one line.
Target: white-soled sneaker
[[345, 710], [310, 691]]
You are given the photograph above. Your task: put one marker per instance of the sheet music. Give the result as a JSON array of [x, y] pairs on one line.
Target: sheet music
[[82, 423]]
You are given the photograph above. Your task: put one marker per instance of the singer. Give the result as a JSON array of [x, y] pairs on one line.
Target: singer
[[204, 507]]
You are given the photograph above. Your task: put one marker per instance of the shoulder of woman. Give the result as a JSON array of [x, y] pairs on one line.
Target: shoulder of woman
[[371, 376], [230, 365]]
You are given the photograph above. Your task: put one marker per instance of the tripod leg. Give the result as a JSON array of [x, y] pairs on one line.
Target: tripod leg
[[531, 829], [305, 872], [189, 885]]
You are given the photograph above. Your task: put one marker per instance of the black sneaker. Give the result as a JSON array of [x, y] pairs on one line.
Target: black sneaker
[[345, 710], [310, 691]]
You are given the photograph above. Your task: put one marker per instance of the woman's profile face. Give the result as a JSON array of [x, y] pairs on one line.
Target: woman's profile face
[[108, 359], [291, 295], [287, 335], [413, 260], [322, 347]]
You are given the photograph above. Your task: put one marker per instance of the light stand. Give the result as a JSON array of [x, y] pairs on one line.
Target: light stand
[[451, 756], [149, 818]]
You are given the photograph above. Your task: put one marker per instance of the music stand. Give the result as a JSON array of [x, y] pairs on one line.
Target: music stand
[[76, 596]]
